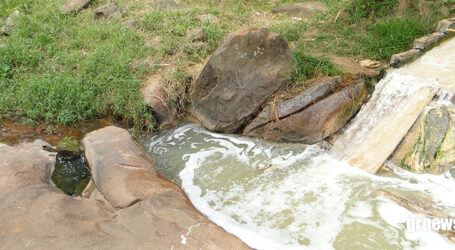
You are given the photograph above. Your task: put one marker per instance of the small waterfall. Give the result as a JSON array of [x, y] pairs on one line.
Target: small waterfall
[[397, 102]]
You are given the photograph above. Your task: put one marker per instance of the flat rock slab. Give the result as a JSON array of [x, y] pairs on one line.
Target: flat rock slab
[[319, 120], [249, 66], [74, 5], [121, 171], [25, 165], [305, 9], [10, 23], [320, 89]]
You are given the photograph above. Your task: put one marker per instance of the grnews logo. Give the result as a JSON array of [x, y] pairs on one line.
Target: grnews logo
[[427, 224]]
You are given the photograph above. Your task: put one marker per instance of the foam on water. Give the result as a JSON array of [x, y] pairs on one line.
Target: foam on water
[[310, 201]]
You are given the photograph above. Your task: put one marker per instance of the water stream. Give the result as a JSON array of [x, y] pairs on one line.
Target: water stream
[[289, 196]]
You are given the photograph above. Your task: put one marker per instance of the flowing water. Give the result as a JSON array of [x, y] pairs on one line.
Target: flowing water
[[290, 196], [397, 102]]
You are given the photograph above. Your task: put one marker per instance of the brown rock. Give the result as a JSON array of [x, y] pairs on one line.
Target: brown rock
[[25, 165], [36, 215], [398, 60], [155, 96], [305, 9], [108, 11], [244, 71], [428, 41], [319, 120], [319, 90], [74, 5], [121, 171]]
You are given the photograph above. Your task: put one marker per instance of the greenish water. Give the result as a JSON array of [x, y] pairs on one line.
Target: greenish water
[[71, 175], [289, 196]]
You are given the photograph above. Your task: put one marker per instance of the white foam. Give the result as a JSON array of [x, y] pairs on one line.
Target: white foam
[[306, 203]]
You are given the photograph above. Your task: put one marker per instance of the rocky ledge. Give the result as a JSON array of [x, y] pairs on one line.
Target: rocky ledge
[[132, 206]]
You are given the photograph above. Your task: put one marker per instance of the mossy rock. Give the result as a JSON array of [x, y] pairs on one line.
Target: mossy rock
[[429, 147], [68, 148]]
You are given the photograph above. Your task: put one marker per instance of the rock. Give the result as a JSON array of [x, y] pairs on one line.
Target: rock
[[428, 41], [305, 9], [249, 66], [115, 161], [168, 221], [370, 64], [445, 25], [317, 121], [131, 24], [428, 146], [25, 165], [108, 11], [196, 34], [155, 96], [74, 5], [398, 60], [10, 23], [319, 90], [42, 217], [165, 5]]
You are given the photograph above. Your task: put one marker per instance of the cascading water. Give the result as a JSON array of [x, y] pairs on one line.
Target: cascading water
[[290, 196], [397, 102], [286, 196]]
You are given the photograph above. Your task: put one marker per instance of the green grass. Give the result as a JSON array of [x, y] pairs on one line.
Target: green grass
[[394, 36], [309, 67], [66, 69]]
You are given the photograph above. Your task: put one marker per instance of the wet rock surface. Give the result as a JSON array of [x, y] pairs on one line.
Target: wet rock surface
[[319, 120], [35, 214], [244, 71], [305, 9], [398, 60]]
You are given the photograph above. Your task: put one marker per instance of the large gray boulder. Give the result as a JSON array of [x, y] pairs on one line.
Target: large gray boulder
[[317, 121], [446, 25], [249, 66], [305, 9]]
